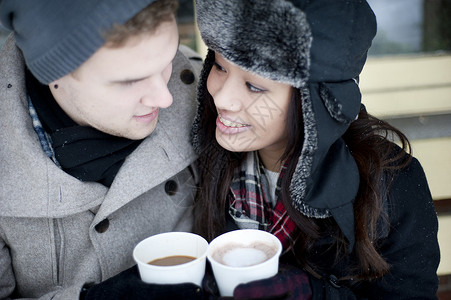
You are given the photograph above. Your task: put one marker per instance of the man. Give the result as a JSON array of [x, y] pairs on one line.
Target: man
[[96, 103]]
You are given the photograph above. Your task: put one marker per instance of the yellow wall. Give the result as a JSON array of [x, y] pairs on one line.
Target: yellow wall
[[435, 157], [406, 86]]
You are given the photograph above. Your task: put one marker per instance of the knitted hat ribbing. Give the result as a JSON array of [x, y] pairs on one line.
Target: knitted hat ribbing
[[57, 36]]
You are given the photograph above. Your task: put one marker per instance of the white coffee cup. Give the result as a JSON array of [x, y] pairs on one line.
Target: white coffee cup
[[238, 257], [172, 244]]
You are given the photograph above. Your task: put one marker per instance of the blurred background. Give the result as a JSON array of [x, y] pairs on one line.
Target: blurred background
[[406, 81]]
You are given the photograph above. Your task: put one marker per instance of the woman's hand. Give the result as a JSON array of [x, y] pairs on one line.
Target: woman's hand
[[289, 283]]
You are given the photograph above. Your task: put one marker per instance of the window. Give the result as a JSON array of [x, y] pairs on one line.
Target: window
[[411, 26]]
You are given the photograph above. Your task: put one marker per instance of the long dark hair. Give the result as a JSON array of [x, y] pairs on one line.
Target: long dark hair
[[370, 142]]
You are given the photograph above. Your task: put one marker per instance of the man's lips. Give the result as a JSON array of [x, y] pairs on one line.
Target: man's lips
[[147, 118]]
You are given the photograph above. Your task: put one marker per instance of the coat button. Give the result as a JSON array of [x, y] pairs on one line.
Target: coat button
[[102, 226], [334, 281], [187, 76], [171, 187]]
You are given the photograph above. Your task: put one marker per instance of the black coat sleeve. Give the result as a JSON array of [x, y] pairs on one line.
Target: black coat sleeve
[[411, 246]]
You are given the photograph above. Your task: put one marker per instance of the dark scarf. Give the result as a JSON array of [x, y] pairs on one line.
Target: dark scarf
[[82, 151]]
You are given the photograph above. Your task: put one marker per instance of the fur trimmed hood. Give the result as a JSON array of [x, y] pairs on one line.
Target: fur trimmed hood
[[318, 47]]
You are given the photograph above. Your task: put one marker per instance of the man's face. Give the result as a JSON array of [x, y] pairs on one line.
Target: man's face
[[119, 90]]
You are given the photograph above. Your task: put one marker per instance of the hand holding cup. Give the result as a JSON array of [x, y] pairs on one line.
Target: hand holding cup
[[243, 256]]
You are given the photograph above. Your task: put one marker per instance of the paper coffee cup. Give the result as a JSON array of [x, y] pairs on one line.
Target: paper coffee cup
[[167, 245], [242, 256]]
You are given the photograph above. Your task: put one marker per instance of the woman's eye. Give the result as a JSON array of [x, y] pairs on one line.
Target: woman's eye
[[219, 67], [253, 88]]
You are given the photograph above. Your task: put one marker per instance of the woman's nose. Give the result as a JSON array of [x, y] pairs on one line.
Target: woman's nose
[[227, 97]]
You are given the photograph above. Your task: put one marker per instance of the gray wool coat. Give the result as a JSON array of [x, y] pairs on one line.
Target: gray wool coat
[[58, 233]]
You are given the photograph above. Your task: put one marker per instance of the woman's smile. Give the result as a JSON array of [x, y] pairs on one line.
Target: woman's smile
[[229, 123], [230, 127]]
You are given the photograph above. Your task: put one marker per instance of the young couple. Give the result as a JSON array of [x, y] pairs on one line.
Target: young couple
[[284, 145]]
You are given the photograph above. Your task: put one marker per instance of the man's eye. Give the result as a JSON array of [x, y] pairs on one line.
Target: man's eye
[[128, 83], [253, 88]]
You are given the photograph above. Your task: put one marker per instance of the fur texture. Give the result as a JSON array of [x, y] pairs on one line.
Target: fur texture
[[247, 32]]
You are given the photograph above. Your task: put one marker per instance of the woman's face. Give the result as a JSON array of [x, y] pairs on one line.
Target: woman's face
[[252, 111]]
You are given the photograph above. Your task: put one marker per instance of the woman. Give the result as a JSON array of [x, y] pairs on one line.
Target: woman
[[286, 146]]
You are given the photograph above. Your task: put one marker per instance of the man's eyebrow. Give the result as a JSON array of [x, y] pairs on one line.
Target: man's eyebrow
[[131, 80]]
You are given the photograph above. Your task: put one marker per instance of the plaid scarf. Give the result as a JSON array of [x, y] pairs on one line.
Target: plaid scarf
[[250, 204], [44, 138]]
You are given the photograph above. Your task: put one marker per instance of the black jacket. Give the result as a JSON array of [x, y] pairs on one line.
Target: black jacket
[[410, 246]]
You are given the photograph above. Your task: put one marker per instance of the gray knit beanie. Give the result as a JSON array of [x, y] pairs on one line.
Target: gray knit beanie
[[57, 36]]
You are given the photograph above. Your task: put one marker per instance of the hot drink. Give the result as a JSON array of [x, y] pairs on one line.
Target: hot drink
[[171, 260], [240, 255]]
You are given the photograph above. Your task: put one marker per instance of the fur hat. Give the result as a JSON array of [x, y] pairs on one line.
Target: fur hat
[[319, 47], [57, 36]]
